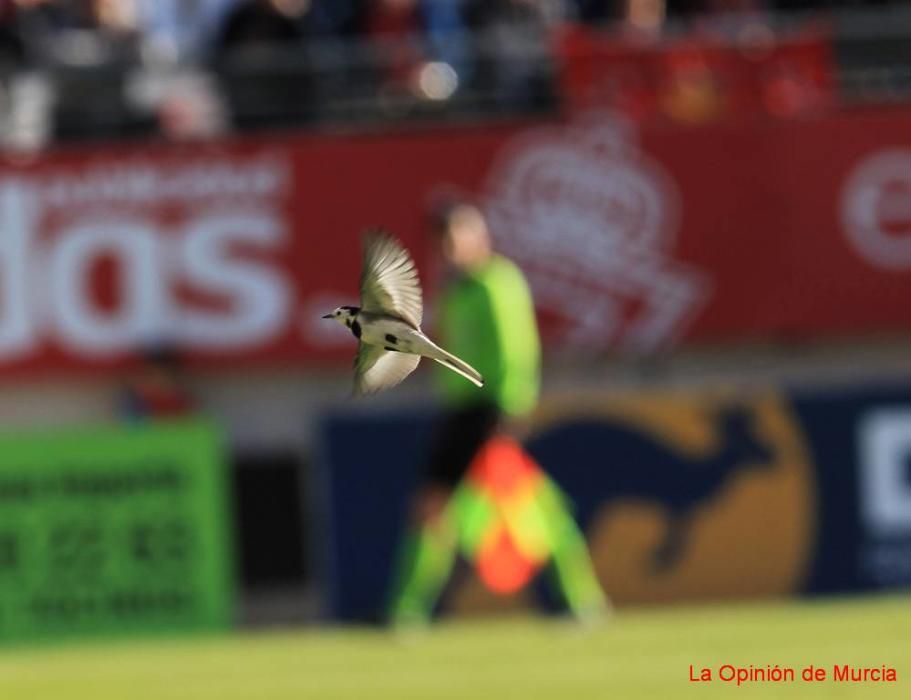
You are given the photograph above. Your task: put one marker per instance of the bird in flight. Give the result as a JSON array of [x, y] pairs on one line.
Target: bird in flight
[[387, 324]]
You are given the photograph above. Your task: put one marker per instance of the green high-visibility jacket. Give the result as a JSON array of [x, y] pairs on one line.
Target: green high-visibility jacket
[[487, 318]]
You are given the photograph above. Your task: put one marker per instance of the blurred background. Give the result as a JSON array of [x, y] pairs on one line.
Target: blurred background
[[711, 201]]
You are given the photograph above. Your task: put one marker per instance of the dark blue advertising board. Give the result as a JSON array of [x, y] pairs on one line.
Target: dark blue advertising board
[[690, 495]]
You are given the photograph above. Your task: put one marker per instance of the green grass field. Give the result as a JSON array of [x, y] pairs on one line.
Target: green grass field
[[637, 654]]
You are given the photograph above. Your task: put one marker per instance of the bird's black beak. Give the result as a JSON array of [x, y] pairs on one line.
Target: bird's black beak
[[328, 316]]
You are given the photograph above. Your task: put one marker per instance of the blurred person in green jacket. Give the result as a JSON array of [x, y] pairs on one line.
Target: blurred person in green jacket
[[485, 315]]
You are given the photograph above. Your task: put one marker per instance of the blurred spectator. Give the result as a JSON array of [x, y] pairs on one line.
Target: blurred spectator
[[260, 53], [191, 109], [80, 32], [644, 18], [691, 91], [339, 17], [262, 23], [789, 91], [732, 7], [596, 11], [115, 16], [89, 48], [156, 389], [12, 48], [444, 24], [394, 26], [59, 15], [38, 21], [181, 29], [514, 62]]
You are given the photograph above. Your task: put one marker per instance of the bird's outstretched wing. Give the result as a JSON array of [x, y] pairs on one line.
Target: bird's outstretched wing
[[389, 280], [376, 368]]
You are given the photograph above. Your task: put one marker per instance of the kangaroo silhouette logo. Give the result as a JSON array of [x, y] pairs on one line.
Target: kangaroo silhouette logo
[[608, 462], [695, 495]]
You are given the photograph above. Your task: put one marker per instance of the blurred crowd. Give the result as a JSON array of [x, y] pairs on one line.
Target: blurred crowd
[[204, 29], [72, 69]]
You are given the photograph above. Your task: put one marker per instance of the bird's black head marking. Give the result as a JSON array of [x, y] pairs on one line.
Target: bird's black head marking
[[391, 339], [356, 329], [345, 314]]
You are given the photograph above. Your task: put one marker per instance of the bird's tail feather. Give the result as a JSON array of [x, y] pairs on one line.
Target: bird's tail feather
[[458, 366]]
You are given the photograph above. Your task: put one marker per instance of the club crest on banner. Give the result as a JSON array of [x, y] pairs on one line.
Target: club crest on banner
[[591, 219]]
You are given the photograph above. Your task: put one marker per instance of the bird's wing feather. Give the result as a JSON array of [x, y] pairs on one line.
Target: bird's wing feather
[[389, 280], [376, 369]]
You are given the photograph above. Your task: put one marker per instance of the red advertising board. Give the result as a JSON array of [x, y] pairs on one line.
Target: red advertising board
[[233, 250], [700, 77]]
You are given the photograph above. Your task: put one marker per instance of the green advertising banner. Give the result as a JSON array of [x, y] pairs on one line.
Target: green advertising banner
[[113, 530]]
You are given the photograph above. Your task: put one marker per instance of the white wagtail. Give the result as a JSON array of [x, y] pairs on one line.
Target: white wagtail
[[387, 324]]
